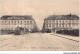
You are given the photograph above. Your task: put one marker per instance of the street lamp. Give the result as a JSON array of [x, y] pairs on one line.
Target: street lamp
[[51, 30]]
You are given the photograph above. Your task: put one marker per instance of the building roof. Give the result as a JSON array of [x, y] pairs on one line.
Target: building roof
[[16, 17], [62, 17]]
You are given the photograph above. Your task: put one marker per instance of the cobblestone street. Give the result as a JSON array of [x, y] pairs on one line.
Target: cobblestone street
[[38, 42]]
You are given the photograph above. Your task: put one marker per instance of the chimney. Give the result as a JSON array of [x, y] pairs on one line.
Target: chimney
[[70, 14], [54, 15]]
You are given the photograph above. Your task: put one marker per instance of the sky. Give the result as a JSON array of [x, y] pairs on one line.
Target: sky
[[39, 9]]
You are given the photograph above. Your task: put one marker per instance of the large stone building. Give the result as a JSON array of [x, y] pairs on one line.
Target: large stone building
[[61, 22], [12, 22]]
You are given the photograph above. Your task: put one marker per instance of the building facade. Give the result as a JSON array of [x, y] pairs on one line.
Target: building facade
[[12, 22], [61, 22]]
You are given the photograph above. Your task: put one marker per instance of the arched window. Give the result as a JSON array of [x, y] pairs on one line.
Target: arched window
[[66, 25], [60, 21], [59, 25], [50, 25], [56, 24], [9, 22], [63, 25], [46, 21], [30, 21], [18, 21], [27, 21], [47, 25], [15, 21], [2, 22], [5, 21], [12, 21], [63, 21], [57, 21], [21, 22]]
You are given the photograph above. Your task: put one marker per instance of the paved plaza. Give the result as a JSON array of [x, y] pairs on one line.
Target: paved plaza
[[39, 42]]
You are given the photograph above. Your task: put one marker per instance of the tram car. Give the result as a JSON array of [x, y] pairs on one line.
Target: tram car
[[19, 31]]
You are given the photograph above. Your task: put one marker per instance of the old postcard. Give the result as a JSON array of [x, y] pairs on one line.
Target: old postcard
[[39, 25]]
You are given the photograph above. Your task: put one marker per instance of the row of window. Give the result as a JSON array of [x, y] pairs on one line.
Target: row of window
[[59, 25], [67, 23], [16, 22], [28, 26], [49, 21]]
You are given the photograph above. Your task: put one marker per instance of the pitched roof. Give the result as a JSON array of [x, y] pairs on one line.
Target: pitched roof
[[62, 17], [16, 17]]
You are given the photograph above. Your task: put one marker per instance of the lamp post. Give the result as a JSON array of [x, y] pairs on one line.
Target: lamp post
[[55, 31]]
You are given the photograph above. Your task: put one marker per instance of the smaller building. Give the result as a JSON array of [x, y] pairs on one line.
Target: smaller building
[[55, 23]]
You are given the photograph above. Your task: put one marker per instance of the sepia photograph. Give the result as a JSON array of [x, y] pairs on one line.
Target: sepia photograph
[[39, 25]]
